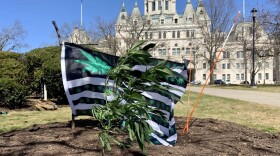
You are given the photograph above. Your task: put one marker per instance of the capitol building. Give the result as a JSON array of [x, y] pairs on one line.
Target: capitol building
[[179, 36]]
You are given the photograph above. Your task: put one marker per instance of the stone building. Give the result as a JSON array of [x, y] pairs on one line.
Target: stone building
[[178, 36]]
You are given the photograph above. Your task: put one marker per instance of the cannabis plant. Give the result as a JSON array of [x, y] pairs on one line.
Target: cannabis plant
[[129, 111]]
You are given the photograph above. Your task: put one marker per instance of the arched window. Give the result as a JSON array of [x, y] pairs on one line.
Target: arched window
[[173, 34], [178, 34], [164, 34], [159, 35], [188, 33]]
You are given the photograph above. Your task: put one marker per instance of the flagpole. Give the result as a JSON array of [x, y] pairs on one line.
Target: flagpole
[[82, 13]]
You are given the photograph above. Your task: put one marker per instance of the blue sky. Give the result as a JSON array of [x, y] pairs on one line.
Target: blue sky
[[36, 15]]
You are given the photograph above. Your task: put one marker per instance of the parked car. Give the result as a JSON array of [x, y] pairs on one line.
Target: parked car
[[228, 82], [195, 82], [219, 81], [244, 82]]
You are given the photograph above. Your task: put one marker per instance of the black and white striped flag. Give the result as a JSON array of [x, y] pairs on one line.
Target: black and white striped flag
[[84, 73]]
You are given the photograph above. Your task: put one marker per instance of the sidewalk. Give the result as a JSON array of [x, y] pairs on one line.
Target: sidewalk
[[268, 98]]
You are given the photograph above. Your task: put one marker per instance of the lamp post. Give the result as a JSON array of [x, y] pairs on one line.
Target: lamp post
[[254, 12]]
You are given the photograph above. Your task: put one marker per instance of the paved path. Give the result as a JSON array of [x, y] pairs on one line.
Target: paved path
[[269, 98]]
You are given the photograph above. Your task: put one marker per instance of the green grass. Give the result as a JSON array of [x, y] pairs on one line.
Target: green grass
[[261, 117], [262, 88], [22, 119]]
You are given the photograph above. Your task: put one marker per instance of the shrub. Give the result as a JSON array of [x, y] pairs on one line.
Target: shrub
[[45, 63], [11, 93]]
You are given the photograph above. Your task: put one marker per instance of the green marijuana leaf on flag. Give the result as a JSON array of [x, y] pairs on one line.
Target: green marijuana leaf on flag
[[94, 65]]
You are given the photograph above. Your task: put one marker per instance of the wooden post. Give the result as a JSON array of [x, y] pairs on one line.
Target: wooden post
[[57, 33], [73, 122]]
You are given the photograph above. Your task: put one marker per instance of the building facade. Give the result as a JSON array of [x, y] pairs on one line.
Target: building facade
[[179, 36]]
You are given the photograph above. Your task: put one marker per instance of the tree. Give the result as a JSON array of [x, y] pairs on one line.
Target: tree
[[270, 20], [72, 32], [104, 32], [135, 29], [13, 78], [213, 29], [11, 37]]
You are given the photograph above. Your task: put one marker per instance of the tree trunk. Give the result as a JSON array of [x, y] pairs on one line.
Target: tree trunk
[[276, 71]]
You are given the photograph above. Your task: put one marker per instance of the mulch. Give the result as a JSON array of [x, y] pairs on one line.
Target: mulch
[[205, 137]]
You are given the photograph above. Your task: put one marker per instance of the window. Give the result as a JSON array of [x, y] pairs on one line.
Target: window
[[204, 76], [204, 65], [162, 21], [228, 77], [260, 76], [133, 35], [188, 33], [164, 34], [146, 35], [266, 65], [237, 77], [159, 35], [188, 51], [259, 65], [242, 76], [228, 66], [176, 20], [237, 66], [153, 6], [266, 76], [178, 34], [159, 5], [226, 54], [148, 22], [162, 52], [223, 66], [215, 76], [166, 5], [151, 35], [251, 30], [175, 51], [135, 22], [242, 66], [224, 77], [240, 54], [173, 34], [193, 33]]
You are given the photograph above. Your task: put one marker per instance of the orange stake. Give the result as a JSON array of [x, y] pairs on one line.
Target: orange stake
[[208, 77]]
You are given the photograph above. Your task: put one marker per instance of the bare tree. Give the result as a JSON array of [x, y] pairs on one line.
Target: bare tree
[[11, 38], [104, 33], [134, 30], [67, 29], [270, 20], [72, 32], [213, 30]]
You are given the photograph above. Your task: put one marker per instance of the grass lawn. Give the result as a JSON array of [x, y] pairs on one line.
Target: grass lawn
[[264, 88], [22, 119], [262, 117]]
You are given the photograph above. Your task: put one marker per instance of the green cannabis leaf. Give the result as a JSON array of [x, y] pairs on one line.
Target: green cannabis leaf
[[94, 64]]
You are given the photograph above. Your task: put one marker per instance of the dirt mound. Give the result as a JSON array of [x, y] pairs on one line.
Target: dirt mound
[[205, 137]]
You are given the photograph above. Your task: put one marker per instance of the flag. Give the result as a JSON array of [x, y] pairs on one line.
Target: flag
[[84, 74]]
